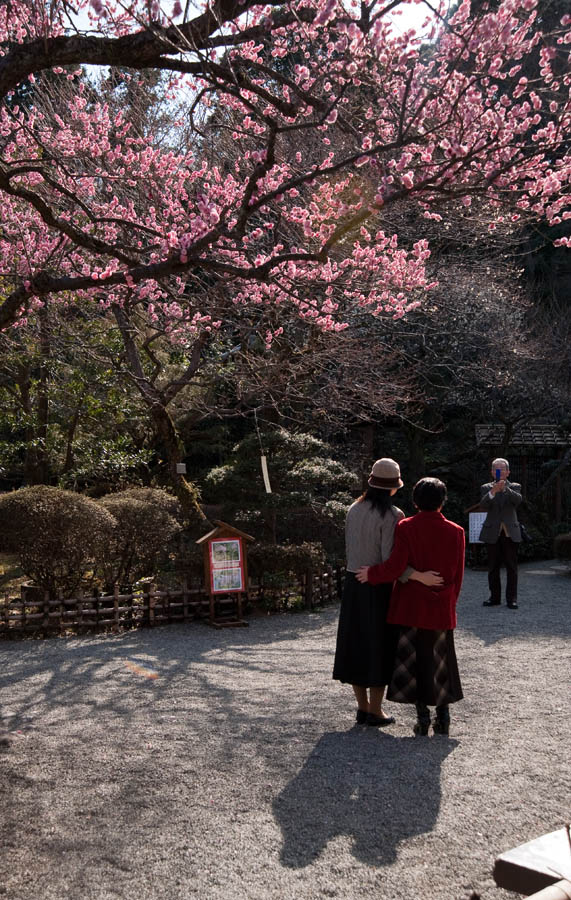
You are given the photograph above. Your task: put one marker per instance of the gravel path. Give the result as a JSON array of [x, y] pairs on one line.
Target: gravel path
[[189, 762]]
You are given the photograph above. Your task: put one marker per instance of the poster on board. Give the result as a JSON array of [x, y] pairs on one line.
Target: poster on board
[[475, 522], [226, 565]]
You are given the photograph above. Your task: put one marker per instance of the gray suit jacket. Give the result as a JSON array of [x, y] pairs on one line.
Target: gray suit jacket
[[501, 508]]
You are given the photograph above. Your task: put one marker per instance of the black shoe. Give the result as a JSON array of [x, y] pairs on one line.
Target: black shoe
[[441, 724], [362, 717], [491, 602], [512, 604], [422, 719], [379, 721], [441, 727]]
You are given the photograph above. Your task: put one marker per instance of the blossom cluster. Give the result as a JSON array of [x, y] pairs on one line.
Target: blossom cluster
[[323, 120]]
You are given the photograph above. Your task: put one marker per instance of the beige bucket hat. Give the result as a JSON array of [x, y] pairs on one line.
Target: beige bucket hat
[[385, 474]]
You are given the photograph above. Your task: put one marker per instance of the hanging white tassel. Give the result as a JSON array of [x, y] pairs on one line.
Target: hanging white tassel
[[265, 475]]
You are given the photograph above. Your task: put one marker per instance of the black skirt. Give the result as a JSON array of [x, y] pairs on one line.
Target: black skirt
[[366, 644], [425, 670]]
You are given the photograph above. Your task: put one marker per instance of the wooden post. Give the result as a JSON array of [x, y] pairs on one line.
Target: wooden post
[[185, 599], [79, 607], [46, 619], [6, 612], [152, 602], [116, 607], [309, 588], [130, 600]]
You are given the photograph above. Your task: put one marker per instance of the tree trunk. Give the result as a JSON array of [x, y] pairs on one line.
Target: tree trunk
[[169, 444], [70, 437], [43, 472], [416, 459]]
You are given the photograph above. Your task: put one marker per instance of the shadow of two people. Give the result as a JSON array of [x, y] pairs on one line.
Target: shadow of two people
[[374, 787]]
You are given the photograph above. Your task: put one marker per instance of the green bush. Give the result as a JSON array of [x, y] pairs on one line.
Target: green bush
[[311, 490], [56, 535], [279, 567], [145, 524], [290, 559]]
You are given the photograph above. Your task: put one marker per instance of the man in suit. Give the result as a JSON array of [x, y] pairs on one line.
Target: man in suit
[[500, 532]]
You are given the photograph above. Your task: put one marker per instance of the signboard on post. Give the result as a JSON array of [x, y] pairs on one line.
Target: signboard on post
[[226, 565], [475, 522], [225, 569]]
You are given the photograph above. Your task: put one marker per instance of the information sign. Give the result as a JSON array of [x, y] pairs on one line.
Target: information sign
[[226, 565]]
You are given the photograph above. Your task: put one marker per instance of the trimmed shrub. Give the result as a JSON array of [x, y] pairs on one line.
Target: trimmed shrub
[[145, 524], [279, 567], [55, 534], [289, 559]]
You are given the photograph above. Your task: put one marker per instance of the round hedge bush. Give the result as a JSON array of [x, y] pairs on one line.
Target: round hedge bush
[[55, 534], [145, 524]]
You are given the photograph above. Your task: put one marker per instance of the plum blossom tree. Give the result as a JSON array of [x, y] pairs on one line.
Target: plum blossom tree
[[319, 145]]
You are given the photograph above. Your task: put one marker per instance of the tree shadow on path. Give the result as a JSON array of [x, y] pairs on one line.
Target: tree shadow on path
[[362, 784]]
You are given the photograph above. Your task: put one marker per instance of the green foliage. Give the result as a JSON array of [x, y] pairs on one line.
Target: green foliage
[[55, 534], [65, 415], [279, 568], [113, 461], [287, 559], [146, 521], [310, 489]]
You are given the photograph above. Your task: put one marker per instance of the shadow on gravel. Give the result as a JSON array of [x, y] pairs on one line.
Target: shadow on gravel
[[361, 784], [544, 592], [63, 675]]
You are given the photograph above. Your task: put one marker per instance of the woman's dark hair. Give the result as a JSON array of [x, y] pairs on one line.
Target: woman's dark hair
[[379, 498], [429, 494]]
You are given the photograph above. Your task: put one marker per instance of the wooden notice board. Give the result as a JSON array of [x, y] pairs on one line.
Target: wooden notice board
[[225, 570]]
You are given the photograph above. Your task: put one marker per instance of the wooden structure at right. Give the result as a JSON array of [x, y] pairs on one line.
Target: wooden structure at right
[[543, 864], [540, 460]]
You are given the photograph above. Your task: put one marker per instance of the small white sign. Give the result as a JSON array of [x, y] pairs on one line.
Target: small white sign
[[475, 522]]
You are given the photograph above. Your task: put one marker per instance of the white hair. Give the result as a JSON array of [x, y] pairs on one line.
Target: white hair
[[500, 464]]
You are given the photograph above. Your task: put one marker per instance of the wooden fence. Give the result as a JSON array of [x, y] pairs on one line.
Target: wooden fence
[[36, 614]]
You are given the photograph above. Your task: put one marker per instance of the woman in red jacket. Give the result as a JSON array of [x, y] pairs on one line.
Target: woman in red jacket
[[426, 670]]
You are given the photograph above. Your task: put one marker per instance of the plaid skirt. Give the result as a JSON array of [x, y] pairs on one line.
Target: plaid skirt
[[426, 670]]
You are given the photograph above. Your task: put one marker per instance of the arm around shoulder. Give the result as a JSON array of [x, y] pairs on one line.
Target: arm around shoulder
[[396, 563]]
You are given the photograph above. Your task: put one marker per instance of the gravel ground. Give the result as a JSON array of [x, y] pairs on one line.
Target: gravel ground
[[189, 762]]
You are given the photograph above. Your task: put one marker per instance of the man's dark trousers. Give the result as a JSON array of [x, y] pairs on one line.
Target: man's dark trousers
[[503, 551]]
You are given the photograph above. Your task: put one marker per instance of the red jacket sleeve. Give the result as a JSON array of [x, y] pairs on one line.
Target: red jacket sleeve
[[460, 565], [395, 564]]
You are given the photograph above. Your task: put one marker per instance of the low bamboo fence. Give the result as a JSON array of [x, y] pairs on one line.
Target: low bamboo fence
[[35, 613]]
